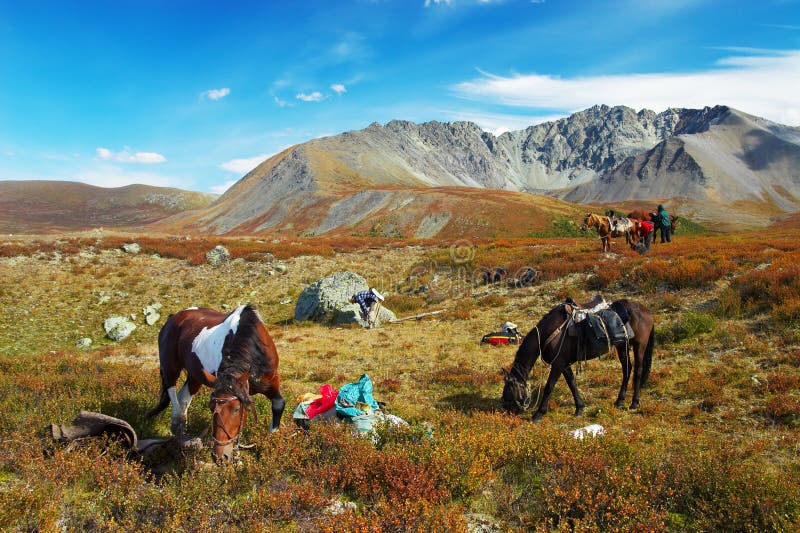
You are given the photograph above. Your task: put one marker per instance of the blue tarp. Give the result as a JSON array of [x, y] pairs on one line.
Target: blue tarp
[[353, 393]]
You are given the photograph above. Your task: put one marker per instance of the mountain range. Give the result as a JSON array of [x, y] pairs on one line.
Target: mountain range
[[449, 179]]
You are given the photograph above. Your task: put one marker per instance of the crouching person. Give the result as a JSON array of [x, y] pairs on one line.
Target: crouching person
[[370, 303]]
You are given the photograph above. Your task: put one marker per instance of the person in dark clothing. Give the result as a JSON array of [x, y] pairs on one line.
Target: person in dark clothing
[[369, 302], [663, 223]]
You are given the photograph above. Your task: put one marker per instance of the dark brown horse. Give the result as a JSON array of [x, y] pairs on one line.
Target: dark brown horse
[[558, 349], [231, 353]]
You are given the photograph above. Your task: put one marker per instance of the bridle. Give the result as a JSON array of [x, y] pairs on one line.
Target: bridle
[[217, 411], [522, 381]]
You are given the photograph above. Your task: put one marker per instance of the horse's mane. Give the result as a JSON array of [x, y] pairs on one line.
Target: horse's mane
[[242, 352], [528, 351]]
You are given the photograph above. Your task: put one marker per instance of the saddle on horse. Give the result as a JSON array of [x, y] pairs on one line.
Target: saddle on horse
[[598, 325]]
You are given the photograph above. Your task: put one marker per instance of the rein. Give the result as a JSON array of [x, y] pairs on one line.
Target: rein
[[523, 380]]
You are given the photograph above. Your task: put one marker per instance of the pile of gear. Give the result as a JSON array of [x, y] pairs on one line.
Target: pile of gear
[[353, 404]]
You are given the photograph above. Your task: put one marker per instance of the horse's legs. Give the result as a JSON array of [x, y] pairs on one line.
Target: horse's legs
[[625, 361], [180, 406], [555, 373], [606, 243], [278, 403], [638, 358], [569, 377]]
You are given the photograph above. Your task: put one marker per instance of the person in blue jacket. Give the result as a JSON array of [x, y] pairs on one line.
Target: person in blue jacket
[[369, 302], [664, 223]]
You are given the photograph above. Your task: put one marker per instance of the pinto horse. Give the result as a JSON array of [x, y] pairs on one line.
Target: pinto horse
[[550, 340], [234, 355], [607, 228]]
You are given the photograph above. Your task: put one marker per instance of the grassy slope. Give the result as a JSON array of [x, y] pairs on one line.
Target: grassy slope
[[714, 446], [53, 206]]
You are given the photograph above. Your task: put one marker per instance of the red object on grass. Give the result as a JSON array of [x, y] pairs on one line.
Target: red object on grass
[[320, 405]]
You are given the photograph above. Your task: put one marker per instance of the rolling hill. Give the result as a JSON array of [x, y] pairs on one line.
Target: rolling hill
[[52, 206]]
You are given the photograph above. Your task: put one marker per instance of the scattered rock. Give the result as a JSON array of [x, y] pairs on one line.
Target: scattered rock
[[103, 298], [286, 301], [133, 317], [481, 523], [83, 342], [151, 314], [132, 248], [118, 327], [592, 430], [270, 272], [268, 257], [281, 268], [218, 255], [338, 507]]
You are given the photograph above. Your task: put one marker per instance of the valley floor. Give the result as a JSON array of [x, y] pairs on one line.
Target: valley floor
[[714, 446]]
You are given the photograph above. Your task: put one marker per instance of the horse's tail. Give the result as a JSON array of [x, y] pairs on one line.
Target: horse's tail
[[163, 399], [648, 357]]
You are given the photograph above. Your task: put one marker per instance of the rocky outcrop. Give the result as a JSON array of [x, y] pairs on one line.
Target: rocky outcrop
[[118, 327], [328, 301]]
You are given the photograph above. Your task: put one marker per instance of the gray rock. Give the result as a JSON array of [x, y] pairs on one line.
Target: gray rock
[[118, 327], [132, 248], [281, 268], [83, 342], [151, 314], [328, 301], [218, 255]]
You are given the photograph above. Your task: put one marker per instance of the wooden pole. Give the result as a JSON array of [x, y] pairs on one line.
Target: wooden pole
[[421, 315]]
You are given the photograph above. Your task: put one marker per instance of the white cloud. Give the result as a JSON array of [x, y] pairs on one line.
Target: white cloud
[[429, 3], [763, 85], [222, 187], [316, 96], [125, 156], [338, 88], [245, 165], [281, 103], [217, 94]]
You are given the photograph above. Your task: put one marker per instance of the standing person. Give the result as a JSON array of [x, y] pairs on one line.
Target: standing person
[[663, 222], [646, 229], [369, 301]]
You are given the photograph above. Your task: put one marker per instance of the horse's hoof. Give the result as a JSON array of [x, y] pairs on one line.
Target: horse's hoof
[[578, 411], [634, 406], [537, 416], [619, 405]]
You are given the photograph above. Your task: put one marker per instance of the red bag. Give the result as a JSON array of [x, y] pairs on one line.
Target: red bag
[[320, 405]]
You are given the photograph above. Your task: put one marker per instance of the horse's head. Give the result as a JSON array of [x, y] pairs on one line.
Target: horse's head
[[515, 398], [673, 223], [587, 222], [229, 404]]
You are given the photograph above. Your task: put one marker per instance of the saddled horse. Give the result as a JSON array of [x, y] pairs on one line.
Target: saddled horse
[[608, 227], [231, 353], [644, 214], [550, 340]]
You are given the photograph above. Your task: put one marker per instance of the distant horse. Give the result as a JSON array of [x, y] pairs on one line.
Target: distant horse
[[549, 338], [644, 214], [234, 355], [608, 227]]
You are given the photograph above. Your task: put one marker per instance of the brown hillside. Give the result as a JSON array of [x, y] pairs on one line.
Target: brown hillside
[[53, 206]]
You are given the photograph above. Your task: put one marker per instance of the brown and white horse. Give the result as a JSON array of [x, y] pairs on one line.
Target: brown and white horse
[[231, 353], [608, 227]]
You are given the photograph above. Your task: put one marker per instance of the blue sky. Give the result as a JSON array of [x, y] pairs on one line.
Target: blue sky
[[193, 94]]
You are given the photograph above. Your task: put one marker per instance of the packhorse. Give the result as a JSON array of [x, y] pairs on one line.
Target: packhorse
[[231, 353], [550, 340], [608, 227]]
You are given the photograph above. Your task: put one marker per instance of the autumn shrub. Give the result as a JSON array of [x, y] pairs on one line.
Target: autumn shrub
[[403, 303], [492, 300], [688, 326]]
